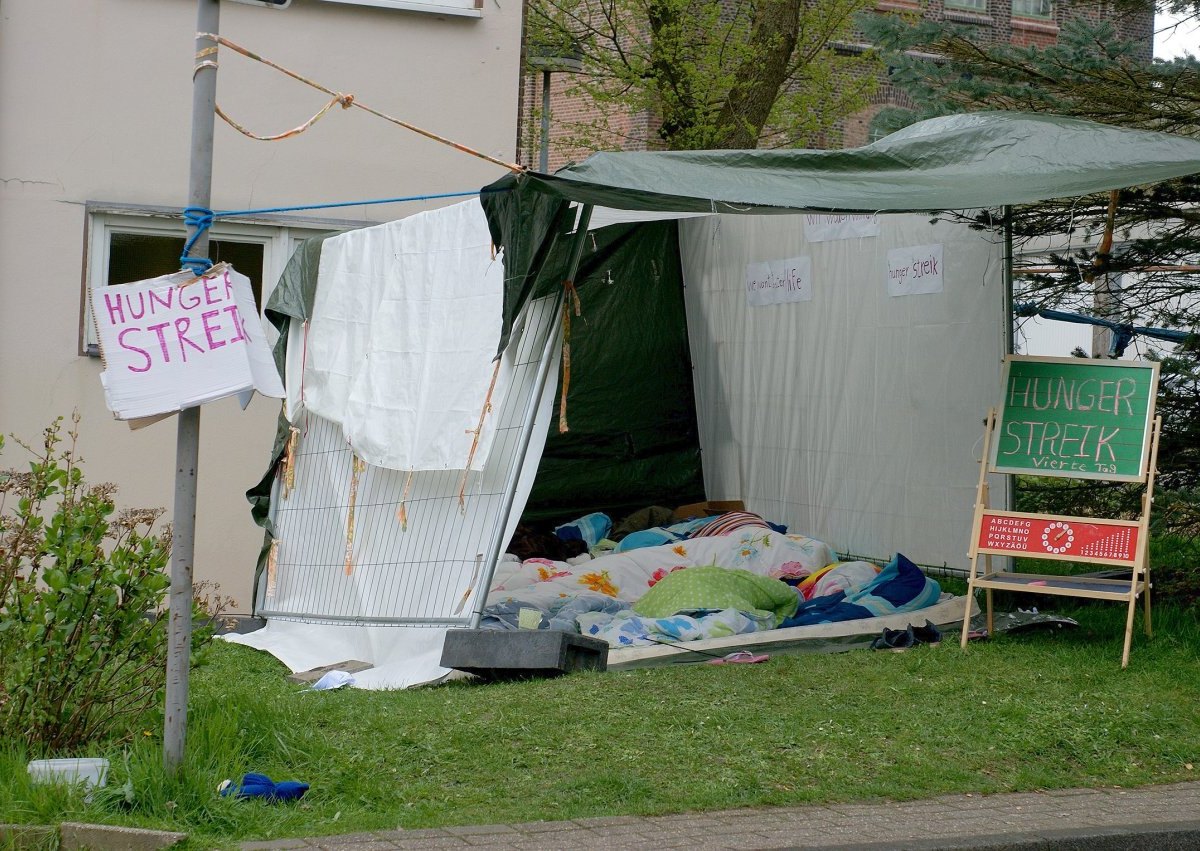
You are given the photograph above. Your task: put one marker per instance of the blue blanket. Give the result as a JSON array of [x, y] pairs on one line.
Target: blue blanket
[[899, 587]]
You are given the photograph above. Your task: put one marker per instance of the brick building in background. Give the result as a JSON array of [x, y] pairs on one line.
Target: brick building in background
[[1019, 22]]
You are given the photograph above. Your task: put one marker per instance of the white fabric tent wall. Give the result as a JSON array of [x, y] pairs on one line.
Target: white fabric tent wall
[[855, 417], [405, 586]]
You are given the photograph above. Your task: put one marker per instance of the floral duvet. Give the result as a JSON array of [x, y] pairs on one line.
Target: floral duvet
[[551, 586]]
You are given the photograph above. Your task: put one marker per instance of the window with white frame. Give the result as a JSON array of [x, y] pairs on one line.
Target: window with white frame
[[979, 6], [462, 8], [131, 245], [1033, 8]]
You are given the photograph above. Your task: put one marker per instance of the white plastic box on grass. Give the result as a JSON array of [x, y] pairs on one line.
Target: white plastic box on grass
[[88, 772]]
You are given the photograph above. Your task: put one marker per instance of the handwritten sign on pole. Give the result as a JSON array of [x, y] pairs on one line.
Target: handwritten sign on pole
[[175, 342], [779, 281], [1076, 418]]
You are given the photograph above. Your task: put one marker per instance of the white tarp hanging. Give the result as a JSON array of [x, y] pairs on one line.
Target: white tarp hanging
[[404, 328], [855, 417], [377, 563]]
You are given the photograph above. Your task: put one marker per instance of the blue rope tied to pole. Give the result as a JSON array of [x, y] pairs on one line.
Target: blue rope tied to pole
[[202, 219]]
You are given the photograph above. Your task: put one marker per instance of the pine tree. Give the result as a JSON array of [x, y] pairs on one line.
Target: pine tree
[[1133, 275]]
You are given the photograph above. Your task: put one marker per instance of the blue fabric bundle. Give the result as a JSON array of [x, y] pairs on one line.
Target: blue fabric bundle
[[261, 786], [899, 587], [590, 529]]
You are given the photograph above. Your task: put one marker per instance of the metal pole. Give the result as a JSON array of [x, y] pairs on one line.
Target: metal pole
[[544, 154], [187, 444], [514, 473], [1010, 481]]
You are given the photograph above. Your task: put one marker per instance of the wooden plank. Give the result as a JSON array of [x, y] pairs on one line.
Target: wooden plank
[[798, 638], [1063, 586], [350, 666]]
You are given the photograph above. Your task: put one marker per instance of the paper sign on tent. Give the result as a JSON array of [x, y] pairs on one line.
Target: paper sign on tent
[[179, 341], [821, 227], [914, 270], [779, 281]]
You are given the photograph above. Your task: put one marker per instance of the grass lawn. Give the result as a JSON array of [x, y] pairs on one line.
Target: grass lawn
[[1038, 711]]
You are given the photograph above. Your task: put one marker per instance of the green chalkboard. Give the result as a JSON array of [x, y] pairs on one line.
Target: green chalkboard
[[1075, 418]]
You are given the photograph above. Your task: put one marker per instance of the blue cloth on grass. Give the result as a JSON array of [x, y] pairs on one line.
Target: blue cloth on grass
[[255, 785]]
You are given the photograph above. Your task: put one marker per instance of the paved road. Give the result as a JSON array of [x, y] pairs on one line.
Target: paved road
[[1155, 818]]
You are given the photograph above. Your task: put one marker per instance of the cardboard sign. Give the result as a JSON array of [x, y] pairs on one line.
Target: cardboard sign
[[176, 342], [1073, 538], [914, 270], [779, 281], [826, 228], [1077, 418]]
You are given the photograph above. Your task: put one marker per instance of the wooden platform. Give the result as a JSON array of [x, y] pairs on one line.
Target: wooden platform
[[1064, 586], [824, 637]]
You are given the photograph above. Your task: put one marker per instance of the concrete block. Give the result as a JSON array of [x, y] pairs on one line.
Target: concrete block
[[522, 653], [75, 836]]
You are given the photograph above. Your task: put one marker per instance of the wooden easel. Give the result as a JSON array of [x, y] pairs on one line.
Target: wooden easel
[[1119, 543]]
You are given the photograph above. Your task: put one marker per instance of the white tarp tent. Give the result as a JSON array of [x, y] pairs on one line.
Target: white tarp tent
[[849, 407], [790, 397]]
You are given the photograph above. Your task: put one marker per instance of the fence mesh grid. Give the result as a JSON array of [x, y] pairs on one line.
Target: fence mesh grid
[[347, 552]]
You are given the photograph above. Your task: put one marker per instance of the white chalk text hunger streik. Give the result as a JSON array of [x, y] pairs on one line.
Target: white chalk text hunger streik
[[1075, 417]]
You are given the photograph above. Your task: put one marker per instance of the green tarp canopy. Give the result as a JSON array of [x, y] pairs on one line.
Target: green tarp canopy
[[983, 159], [956, 162], [970, 161]]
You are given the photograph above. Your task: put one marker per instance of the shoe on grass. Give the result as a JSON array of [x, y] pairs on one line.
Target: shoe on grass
[[896, 640], [928, 634]]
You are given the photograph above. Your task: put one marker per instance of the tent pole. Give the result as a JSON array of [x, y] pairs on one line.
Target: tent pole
[[514, 473], [1010, 495], [1008, 281]]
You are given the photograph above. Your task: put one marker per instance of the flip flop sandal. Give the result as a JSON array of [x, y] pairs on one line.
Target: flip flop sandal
[[740, 657]]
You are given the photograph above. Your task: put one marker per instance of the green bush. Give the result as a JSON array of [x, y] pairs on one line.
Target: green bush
[[82, 648], [1174, 525]]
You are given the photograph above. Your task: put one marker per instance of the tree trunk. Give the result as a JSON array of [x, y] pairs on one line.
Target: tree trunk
[[773, 37]]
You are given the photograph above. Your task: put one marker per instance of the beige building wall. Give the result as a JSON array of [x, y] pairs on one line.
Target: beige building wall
[[95, 108]]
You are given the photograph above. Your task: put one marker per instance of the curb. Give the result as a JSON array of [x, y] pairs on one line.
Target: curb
[[76, 836], [1162, 836], [27, 836]]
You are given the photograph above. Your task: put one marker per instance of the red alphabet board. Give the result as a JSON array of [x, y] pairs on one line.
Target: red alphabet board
[[1068, 538]]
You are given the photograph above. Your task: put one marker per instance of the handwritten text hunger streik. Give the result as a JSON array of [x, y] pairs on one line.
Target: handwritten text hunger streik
[[199, 318], [922, 267], [915, 270], [1061, 445]]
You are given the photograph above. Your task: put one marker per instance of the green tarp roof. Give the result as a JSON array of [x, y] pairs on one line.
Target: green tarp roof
[[956, 162], [984, 159]]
